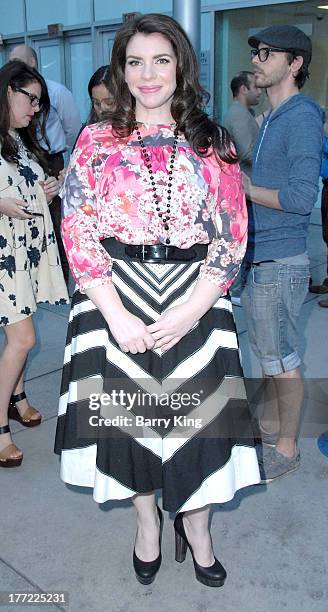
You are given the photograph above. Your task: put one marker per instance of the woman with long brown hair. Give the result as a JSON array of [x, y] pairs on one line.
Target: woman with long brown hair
[[29, 267], [155, 228]]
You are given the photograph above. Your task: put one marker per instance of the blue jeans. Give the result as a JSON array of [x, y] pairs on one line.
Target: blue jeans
[[272, 295]]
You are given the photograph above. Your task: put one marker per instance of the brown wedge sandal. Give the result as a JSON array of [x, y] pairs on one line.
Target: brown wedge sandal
[[6, 458], [26, 419]]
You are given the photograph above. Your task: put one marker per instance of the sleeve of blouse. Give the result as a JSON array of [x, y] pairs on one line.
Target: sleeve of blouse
[[226, 251], [90, 264]]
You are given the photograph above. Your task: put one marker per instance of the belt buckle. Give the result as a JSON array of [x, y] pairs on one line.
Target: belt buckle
[[146, 255]]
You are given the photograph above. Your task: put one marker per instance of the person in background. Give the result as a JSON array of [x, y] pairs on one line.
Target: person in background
[[243, 129], [323, 288], [100, 95], [30, 271], [275, 272], [62, 127], [101, 99], [240, 121]]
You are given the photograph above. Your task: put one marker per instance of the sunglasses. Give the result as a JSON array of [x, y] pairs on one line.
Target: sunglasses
[[34, 100], [264, 53]]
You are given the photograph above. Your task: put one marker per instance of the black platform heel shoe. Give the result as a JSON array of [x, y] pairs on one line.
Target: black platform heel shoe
[[6, 458], [26, 419], [213, 576], [147, 570]]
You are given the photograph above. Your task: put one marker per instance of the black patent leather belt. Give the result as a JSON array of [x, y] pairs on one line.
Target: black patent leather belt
[[154, 253]]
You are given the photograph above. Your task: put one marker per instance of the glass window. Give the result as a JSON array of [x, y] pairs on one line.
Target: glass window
[[81, 71], [114, 10], [107, 41], [67, 12], [12, 17], [50, 62], [232, 52]]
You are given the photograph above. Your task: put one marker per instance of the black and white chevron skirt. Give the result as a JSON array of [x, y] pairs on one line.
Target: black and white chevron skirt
[[176, 421]]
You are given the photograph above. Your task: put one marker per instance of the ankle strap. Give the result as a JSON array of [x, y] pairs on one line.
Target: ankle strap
[[18, 397], [5, 429]]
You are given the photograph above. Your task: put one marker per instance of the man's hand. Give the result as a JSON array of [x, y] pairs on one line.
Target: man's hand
[[14, 208], [247, 185], [261, 195]]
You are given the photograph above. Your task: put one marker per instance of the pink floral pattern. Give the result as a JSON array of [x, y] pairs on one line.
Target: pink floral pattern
[[107, 193]]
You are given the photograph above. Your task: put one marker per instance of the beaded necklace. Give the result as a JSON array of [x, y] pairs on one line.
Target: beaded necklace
[[163, 216]]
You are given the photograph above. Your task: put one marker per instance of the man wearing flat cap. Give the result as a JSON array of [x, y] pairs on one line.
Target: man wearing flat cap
[[275, 276]]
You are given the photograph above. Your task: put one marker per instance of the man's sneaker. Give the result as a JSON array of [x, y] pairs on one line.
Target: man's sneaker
[[323, 303], [273, 464], [323, 288]]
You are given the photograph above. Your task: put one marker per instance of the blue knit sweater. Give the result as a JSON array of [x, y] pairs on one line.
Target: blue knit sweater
[[287, 157]]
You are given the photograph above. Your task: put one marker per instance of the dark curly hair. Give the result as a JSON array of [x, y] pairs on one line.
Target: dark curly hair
[[18, 74], [303, 72], [189, 98], [100, 77]]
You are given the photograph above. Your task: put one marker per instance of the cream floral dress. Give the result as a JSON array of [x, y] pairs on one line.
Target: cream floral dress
[[30, 270]]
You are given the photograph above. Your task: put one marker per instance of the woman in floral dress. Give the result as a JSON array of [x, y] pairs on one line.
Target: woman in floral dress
[[30, 271], [155, 228]]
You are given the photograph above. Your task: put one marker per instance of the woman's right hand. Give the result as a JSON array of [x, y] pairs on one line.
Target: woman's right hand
[[14, 208], [130, 332]]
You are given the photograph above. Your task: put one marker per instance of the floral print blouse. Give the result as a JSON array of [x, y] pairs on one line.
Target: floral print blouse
[[107, 193]]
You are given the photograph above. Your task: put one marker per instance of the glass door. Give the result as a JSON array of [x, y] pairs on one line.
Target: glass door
[[104, 46], [51, 58], [79, 69]]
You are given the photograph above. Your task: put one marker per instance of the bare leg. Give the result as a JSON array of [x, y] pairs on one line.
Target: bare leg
[[22, 405], [289, 386], [270, 419], [20, 339], [147, 539], [196, 527]]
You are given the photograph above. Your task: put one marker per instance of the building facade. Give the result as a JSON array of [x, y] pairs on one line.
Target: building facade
[[84, 36]]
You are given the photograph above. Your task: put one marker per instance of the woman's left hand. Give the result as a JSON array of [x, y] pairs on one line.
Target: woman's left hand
[[172, 326], [50, 187]]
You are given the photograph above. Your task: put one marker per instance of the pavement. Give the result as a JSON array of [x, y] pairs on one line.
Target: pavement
[[272, 539]]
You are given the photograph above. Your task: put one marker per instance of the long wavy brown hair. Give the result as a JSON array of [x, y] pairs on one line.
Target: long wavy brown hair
[[18, 74], [189, 98]]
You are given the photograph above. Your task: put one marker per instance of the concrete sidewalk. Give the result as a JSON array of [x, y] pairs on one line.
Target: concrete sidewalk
[[272, 540]]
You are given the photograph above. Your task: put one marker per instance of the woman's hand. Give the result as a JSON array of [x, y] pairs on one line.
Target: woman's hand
[[50, 187], [14, 208], [130, 332], [172, 326], [177, 321], [61, 176]]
